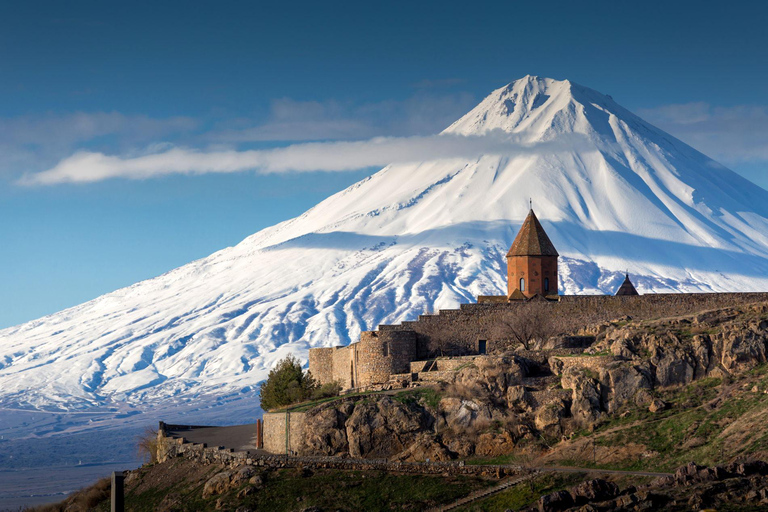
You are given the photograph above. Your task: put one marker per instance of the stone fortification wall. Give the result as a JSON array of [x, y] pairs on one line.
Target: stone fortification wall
[[392, 348], [321, 364], [473, 322], [283, 432], [343, 366], [371, 360], [383, 353], [171, 447]]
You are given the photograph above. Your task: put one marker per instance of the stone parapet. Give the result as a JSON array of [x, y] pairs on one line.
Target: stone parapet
[[283, 432], [171, 447]]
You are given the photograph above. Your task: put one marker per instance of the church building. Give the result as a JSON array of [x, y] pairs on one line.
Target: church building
[[531, 262]]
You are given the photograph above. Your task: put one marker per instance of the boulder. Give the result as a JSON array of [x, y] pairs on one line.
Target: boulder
[[594, 490], [489, 377], [560, 500], [426, 446], [325, 432], [217, 484], [657, 405], [549, 415], [586, 405], [242, 475], [384, 427], [493, 444], [622, 382], [517, 398]]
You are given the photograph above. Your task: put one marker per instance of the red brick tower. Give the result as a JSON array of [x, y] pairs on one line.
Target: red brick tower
[[531, 262]]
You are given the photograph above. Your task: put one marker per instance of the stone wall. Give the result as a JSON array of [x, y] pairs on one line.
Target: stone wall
[[392, 348], [171, 447], [283, 432], [321, 364], [383, 353], [371, 360]]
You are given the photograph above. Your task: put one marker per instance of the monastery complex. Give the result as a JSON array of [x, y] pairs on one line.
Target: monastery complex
[[430, 348]]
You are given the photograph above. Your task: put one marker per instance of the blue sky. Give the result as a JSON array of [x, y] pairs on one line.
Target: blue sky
[[139, 78]]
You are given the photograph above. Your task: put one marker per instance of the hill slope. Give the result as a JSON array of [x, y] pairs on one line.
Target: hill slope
[[410, 238]]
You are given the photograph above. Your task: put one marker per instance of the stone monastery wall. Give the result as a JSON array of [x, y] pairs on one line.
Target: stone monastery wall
[[283, 432], [391, 349], [371, 360]]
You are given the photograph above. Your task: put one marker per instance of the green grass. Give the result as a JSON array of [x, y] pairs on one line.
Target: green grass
[[428, 396], [525, 493], [305, 406], [190, 496], [288, 490], [667, 431]]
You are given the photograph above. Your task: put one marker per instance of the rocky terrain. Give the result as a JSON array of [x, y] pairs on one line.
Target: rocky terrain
[[693, 487], [686, 395], [543, 402]]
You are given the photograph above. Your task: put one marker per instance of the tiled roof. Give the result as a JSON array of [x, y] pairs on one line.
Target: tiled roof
[[532, 240], [627, 288]]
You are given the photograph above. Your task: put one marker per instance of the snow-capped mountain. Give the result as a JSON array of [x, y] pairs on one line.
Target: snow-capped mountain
[[409, 239]]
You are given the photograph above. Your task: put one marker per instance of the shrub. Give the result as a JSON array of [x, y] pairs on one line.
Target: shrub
[[286, 384], [327, 390], [147, 445]]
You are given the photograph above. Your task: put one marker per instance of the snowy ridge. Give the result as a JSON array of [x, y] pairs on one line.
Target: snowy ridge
[[411, 238]]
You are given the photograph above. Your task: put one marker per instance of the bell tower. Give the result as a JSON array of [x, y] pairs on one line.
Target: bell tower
[[531, 262]]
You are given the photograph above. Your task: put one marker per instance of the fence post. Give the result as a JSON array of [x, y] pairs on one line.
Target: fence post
[[118, 492]]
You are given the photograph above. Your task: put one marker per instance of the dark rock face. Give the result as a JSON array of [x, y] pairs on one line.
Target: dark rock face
[[594, 490], [560, 500], [692, 487], [325, 431], [384, 427], [363, 429]]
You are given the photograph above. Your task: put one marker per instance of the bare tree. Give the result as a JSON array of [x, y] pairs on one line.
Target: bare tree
[[526, 323], [449, 336]]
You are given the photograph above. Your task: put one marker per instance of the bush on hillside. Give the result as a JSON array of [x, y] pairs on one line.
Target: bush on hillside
[[326, 390], [287, 384]]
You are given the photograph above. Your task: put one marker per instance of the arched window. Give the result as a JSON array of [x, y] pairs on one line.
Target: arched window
[[522, 284], [546, 284]]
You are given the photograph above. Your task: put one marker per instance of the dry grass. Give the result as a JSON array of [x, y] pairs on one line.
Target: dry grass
[[146, 445], [83, 500]]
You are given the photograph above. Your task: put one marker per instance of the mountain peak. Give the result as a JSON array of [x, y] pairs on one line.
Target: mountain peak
[[534, 106]]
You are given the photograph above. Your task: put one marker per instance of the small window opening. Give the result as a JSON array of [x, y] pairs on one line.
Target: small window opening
[[385, 349], [546, 284], [481, 347], [522, 284]]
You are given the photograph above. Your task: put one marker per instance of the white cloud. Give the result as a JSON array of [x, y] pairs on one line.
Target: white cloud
[[732, 135], [85, 167], [35, 141]]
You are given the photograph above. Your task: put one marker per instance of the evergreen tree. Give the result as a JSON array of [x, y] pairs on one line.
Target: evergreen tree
[[286, 384]]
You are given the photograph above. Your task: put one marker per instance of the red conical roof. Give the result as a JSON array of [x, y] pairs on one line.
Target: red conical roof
[[532, 240]]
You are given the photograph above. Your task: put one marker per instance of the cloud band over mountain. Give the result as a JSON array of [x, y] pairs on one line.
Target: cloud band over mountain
[[88, 167]]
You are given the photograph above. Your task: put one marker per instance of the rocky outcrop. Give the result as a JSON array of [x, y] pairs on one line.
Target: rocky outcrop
[[384, 427], [692, 487], [325, 430], [378, 428], [224, 481], [488, 406]]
